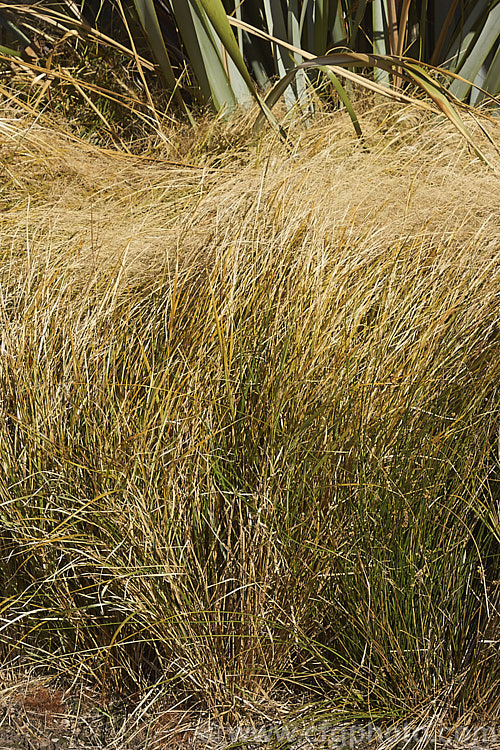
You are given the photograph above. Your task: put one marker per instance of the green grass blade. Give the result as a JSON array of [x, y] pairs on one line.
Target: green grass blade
[[293, 27], [10, 52], [321, 8], [465, 32], [276, 28], [14, 30], [339, 27]]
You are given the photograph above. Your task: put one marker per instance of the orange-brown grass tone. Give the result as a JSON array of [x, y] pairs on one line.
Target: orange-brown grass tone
[[249, 416]]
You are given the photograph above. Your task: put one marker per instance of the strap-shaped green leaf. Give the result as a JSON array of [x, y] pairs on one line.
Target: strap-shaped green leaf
[[487, 40], [379, 17], [217, 15], [204, 54], [320, 26], [360, 11], [149, 21], [273, 13], [491, 83]]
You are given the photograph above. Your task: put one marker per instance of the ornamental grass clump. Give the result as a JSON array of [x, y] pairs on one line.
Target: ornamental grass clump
[[250, 421]]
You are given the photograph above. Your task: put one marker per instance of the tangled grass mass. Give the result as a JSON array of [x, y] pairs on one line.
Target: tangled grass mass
[[249, 419]]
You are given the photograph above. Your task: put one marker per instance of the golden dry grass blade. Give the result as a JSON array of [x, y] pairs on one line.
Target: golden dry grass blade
[[126, 101], [443, 102], [210, 379], [408, 68]]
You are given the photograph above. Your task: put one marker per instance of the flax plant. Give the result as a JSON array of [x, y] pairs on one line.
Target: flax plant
[[226, 54]]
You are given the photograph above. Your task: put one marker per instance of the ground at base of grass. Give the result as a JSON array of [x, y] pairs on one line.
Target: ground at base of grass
[[41, 718]]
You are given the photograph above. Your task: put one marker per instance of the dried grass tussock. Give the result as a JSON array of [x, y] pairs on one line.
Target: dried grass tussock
[[417, 177], [249, 424]]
